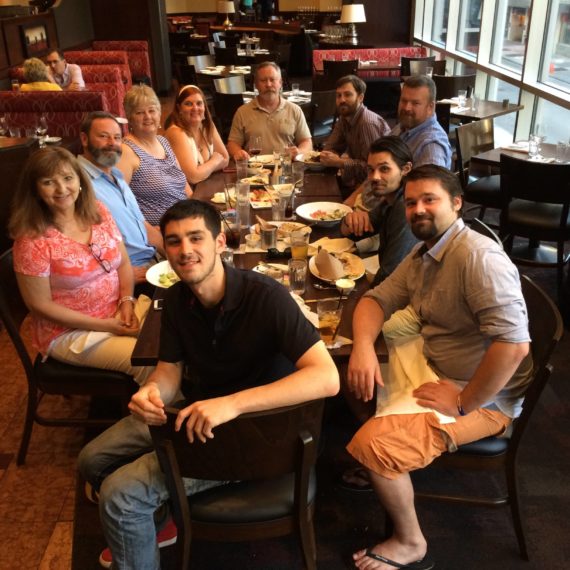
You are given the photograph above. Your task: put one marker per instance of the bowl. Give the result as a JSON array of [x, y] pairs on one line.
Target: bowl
[[345, 286]]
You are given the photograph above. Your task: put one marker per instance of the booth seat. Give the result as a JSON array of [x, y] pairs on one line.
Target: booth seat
[[137, 52], [116, 58], [64, 111], [386, 55], [106, 78]]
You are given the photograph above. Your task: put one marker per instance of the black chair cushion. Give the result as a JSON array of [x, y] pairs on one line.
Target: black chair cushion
[[56, 377], [322, 129], [485, 191], [250, 501], [488, 446], [526, 216]]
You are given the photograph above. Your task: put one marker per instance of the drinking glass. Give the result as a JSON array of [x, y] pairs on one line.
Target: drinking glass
[[243, 204], [15, 132], [268, 237], [42, 129], [300, 244], [298, 175], [4, 130], [462, 97], [15, 85], [329, 313], [241, 168], [429, 71], [532, 146], [295, 89], [255, 146], [297, 275], [278, 208], [561, 150]]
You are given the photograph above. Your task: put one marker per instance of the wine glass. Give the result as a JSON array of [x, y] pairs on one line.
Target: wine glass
[[255, 146], [42, 129], [4, 130]]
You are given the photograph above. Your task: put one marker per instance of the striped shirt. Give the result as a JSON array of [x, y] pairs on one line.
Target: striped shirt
[[353, 136], [157, 183]]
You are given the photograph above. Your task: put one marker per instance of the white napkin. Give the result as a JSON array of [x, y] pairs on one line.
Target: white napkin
[[407, 369], [338, 245]]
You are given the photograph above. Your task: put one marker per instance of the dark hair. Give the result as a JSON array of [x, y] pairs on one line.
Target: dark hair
[[417, 81], [401, 154], [356, 82], [447, 179], [58, 51], [192, 209], [30, 215], [176, 118], [94, 116]]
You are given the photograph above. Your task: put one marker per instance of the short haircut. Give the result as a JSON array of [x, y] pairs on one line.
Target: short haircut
[[93, 116], [192, 209], [447, 179], [35, 69], [356, 82], [138, 96], [30, 215], [264, 64], [176, 116], [401, 154], [417, 81], [58, 51]]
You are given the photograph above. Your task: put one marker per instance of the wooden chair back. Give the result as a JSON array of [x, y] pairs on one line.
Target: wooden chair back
[[448, 85]]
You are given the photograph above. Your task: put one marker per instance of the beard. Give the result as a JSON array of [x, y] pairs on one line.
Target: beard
[[425, 231], [105, 156]]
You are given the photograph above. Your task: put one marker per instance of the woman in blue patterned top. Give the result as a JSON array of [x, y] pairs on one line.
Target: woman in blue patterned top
[[148, 162]]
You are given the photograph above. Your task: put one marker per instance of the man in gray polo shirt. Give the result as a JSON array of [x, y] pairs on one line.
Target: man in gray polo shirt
[[280, 123], [474, 328]]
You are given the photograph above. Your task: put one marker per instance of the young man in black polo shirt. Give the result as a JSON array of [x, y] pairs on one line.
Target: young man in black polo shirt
[[233, 340]]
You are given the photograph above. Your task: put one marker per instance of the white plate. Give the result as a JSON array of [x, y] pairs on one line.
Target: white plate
[[282, 235], [52, 140], [257, 180], [355, 261], [262, 158], [306, 212], [285, 268], [310, 164], [153, 275]]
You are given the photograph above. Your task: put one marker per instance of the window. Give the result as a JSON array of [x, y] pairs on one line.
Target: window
[[505, 124], [469, 26], [439, 22], [552, 121], [509, 42], [556, 63]]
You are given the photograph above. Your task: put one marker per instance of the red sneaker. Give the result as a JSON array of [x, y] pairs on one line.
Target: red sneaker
[[167, 536]]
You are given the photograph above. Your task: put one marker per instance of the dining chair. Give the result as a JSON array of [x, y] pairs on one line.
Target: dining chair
[[231, 84], [201, 61], [51, 377], [225, 107], [500, 454], [337, 69], [268, 458], [322, 115], [439, 66], [415, 65], [536, 206], [226, 56], [482, 191], [447, 86], [443, 115]]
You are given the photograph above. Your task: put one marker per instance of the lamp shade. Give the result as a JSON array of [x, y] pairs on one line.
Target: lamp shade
[[226, 7], [352, 14]]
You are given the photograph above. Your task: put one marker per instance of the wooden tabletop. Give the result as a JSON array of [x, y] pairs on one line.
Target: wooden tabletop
[[493, 157], [484, 110], [318, 187]]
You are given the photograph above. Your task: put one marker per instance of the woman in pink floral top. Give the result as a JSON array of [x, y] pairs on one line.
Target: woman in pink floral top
[[72, 267]]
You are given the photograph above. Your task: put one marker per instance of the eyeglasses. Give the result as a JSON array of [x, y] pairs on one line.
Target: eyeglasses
[[96, 253]]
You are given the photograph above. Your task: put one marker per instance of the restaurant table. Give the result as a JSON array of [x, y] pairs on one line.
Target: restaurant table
[[225, 71], [493, 157], [484, 110], [145, 352]]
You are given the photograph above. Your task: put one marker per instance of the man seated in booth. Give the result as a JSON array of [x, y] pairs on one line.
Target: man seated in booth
[[355, 130], [280, 123], [233, 342], [471, 359], [101, 140], [67, 75]]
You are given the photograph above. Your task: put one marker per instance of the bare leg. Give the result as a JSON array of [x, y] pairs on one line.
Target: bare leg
[[407, 544]]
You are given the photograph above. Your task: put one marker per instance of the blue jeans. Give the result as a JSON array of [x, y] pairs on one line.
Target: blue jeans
[[122, 465]]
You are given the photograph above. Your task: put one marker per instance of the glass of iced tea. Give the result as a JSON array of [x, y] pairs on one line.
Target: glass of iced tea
[[329, 312]]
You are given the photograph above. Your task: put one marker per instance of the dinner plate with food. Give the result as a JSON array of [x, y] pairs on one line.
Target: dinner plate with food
[[263, 159], [325, 214], [276, 271], [330, 267], [312, 160], [284, 228], [256, 180], [260, 198], [161, 275]]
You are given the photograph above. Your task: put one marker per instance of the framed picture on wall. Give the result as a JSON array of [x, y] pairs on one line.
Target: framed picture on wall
[[35, 40]]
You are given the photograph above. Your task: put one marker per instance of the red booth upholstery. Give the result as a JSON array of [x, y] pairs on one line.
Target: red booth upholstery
[[118, 59], [388, 56], [137, 51], [64, 111]]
